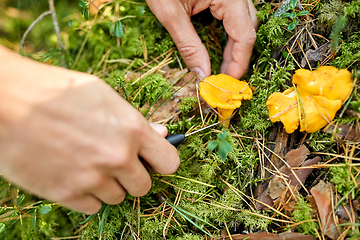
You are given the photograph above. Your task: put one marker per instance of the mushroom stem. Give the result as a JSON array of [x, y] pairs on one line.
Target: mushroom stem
[[225, 115]]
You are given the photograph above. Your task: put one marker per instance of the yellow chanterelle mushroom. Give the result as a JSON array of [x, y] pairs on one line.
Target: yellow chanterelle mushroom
[[319, 96], [283, 107], [327, 81], [224, 93]]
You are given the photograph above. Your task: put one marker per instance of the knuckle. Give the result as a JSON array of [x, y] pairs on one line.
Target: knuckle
[[217, 9], [144, 187], [66, 195], [187, 51], [116, 198], [136, 125], [251, 36], [92, 209], [94, 182], [121, 162]]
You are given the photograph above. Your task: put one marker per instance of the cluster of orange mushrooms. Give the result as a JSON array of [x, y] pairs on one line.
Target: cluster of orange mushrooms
[[312, 103]]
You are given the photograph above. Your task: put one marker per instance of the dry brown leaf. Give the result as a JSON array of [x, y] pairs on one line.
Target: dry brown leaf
[[322, 193], [278, 192]]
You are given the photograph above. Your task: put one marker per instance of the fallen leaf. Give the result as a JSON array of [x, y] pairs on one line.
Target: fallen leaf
[[323, 194], [278, 193]]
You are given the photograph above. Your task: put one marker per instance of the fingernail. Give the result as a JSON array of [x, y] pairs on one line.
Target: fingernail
[[200, 72], [158, 127], [223, 67]]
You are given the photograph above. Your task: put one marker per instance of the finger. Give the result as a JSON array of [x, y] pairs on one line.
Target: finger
[[111, 192], [177, 21], [87, 204], [134, 178], [160, 154], [242, 35], [253, 13], [161, 129]]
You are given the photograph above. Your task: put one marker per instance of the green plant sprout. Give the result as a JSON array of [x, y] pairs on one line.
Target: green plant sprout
[[224, 146], [117, 27], [336, 32], [293, 14], [84, 4], [355, 105]]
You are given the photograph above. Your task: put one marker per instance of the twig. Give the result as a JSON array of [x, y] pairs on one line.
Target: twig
[[31, 27], [56, 24], [56, 28]]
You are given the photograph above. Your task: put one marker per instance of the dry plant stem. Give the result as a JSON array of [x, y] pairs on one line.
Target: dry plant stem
[[167, 60], [237, 190], [177, 199], [198, 98], [101, 61], [63, 238], [31, 27], [56, 24], [83, 44], [302, 50], [311, 39], [220, 205]]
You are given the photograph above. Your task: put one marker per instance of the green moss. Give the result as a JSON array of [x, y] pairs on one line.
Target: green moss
[[303, 212], [54, 224], [349, 53], [340, 177], [329, 13], [188, 237], [272, 34], [187, 104], [319, 141], [253, 222]]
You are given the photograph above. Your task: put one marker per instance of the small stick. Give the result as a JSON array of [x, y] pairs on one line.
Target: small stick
[[31, 27], [293, 58], [311, 39], [56, 24], [302, 50]]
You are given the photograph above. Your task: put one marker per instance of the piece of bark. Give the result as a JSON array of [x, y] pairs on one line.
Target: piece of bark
[[322, 193], [314, 56], [345, 131], [268, 236], [280, 148]]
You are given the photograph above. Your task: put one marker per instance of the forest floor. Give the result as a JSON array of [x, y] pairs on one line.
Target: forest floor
[[250, 180]]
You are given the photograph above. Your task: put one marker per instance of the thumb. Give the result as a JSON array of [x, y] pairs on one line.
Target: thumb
[[176, 20], [161, 129]]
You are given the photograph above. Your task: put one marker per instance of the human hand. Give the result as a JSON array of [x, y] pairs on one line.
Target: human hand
[[240, 22], [68, 137]]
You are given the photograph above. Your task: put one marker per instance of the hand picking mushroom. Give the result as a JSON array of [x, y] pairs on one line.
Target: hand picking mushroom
[[224, 93]]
